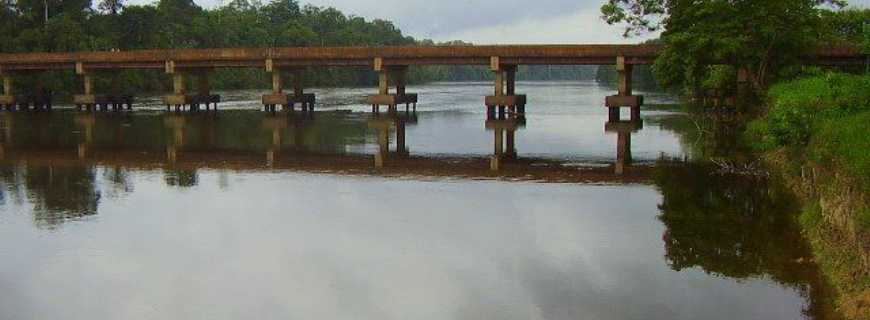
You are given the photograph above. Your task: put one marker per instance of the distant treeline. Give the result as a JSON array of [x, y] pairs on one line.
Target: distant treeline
[[81, 25]]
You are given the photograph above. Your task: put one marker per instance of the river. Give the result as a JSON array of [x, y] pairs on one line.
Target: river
[[243, 214]]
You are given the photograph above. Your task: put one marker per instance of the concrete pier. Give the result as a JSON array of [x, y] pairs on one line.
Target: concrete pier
[[624, 97], [392, 76], [7, 100], [181, 99], [509, 103], [287, 101]]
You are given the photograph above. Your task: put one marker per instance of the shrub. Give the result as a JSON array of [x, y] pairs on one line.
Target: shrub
[[798, 106]]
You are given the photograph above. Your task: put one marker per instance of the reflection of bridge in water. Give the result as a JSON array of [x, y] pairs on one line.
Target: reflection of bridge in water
[[295, 142]]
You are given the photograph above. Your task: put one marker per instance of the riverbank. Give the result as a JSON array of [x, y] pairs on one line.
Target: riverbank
[[815, 133]]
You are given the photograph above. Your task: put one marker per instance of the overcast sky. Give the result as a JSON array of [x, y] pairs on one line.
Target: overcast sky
[[485, 21]]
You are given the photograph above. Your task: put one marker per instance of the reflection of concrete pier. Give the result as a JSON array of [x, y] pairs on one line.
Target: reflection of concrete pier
[[86, 123], [383, 124], [623, 129], [277, 127], [504, 139], [175, 124]]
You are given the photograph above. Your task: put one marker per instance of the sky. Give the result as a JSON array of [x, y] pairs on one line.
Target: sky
[[486, 21]]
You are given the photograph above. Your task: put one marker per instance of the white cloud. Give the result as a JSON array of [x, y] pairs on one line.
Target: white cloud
[[581, 27], [485, 21]]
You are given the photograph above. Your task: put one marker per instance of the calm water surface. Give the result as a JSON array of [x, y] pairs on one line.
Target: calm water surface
[[246, 215]]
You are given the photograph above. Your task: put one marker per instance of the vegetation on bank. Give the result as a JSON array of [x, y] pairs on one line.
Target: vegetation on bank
[[822, 119], [815, 127], [818, 129]]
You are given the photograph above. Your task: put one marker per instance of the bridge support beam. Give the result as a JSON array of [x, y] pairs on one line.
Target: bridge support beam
[[203, 92], [392, 76], [624, 97], [90, 101], [287, 101], [87, 99], [509, 103]]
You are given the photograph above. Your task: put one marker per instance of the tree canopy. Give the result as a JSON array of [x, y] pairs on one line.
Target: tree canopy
[[699, 37]]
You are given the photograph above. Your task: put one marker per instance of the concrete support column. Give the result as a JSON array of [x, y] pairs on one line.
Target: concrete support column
[[499, 82], [504, 94], [279, 97], [511, 79], [86, 99], [202, 82], [388, 76], [625, 96], [624, 73], [7, 100], [384, 82], [297, 83], [88, 84], [277, 82], [7, 85], [178, 86], [399, 75]]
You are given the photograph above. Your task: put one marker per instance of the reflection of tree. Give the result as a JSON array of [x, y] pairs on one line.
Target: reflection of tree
[[180, 178], [734, 226], [705, 136], [61, 193], [10, 185]]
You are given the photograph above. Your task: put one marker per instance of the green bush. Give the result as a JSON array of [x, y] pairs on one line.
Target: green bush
[[811, 216], [847, 141], [798, 106]]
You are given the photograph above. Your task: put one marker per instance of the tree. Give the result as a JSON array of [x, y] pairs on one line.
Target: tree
[[760, 37]]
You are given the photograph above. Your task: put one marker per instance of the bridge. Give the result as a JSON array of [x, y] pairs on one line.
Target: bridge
[[391, 63]]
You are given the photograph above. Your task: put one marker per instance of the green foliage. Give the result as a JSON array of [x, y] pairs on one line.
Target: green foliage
[[761, 37], [845, 26], [866, 43], [811, 216], [847, 140], [797, 108], [863, 219]]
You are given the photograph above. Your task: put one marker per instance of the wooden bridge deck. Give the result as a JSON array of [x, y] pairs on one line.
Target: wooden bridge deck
[[365, 56]]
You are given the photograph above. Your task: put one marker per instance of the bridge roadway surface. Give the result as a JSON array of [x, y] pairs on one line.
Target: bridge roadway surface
[[366, 56]]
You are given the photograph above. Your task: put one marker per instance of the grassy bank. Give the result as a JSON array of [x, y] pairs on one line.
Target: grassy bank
[[817, 130]]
